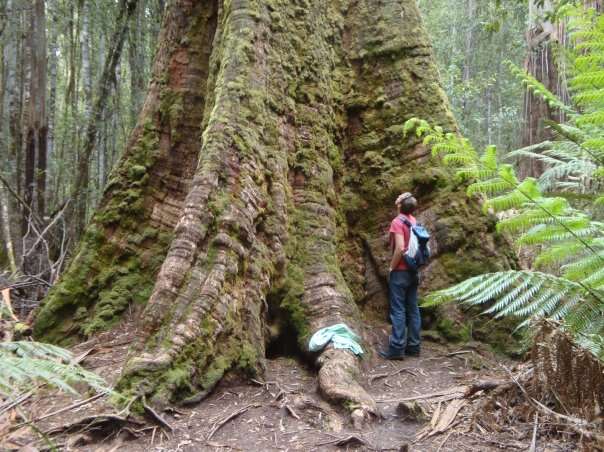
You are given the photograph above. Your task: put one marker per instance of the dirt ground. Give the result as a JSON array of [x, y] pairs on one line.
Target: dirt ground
[[284, 412]]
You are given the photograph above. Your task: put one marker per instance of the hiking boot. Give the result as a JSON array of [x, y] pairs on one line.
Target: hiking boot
[[389, 354], [412, 352]]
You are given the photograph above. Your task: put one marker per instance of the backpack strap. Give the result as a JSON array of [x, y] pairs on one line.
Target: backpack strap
[[405, 221]]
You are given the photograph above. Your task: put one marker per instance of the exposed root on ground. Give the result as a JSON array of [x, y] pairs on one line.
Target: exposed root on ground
[[338, 379]]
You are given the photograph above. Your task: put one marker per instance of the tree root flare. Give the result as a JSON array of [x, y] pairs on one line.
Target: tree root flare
[[338, 381]]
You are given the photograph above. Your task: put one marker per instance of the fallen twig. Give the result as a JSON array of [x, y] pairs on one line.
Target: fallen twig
[[392, 374], [7, 303], [155, 415], [485, 385], [82, 356], [533, 447], [456, 392], [460, 352], [16, 402], [98, 422], [291, 411], [508, 444], [64, 409], [446, 418], [348, 440], [444, 441], [218, 425]]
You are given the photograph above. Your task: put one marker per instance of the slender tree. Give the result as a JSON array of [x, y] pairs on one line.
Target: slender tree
[[136, 59], [5, 217], [35, 131]]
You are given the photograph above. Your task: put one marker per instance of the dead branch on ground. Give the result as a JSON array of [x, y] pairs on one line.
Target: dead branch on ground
[[222, 422]]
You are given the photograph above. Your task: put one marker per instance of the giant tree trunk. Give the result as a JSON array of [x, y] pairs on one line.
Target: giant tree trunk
[[255, 189]]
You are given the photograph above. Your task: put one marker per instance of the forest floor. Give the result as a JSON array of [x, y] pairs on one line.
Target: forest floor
[[283, 411]]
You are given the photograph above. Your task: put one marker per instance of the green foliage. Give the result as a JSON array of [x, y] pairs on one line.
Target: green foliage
[[22, 364], [520, 293], [567, 281]]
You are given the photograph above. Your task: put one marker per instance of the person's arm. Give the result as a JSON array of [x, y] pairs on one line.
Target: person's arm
[[397, 255]]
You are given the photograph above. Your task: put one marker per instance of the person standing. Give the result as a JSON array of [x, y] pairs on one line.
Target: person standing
[[402, 286]]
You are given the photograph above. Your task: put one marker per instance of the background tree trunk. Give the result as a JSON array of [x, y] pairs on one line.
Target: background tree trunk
[[11, 128], [137, 62], [52, 96], [255, 191], [468, 57], [35, 133], [7, 239], [541, 36]]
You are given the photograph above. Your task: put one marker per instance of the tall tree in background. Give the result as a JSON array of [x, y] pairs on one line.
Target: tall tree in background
[[254, 188], [136, 59], [11, 142], [470, 49], [545, 62], [542, 36], [35, 130], [472, 41], [116, 43]]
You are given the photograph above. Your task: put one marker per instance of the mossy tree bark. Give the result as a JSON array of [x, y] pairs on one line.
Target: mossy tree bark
[[266, 157]]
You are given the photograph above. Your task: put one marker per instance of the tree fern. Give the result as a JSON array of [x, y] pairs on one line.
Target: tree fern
[[568, 242], [23, 364]]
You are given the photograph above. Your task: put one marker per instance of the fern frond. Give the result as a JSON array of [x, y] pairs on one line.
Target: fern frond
[[454, 159], [529, 151], [595, 280], [523, 294], [531, 218], [583, 265], [539, 89], [543, 234], [558, 254], [24, 363], [26, 349], [489, 187]]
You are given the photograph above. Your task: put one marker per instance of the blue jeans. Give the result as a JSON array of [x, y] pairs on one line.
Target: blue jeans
[[404, 312]]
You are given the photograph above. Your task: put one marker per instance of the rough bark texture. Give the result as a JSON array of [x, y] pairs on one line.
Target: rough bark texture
[[541, 38], [271, 144]]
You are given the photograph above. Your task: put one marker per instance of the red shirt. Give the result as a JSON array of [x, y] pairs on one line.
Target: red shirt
[[398, 227]]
